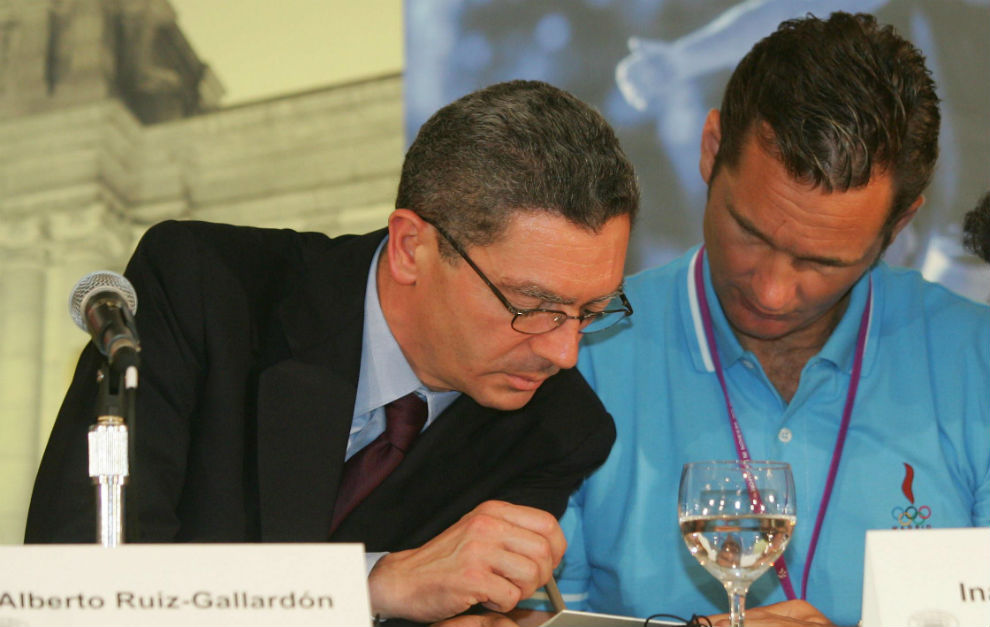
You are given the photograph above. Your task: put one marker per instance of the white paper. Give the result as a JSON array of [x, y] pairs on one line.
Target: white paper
[[571, 618], [927, 578], [184, 584]]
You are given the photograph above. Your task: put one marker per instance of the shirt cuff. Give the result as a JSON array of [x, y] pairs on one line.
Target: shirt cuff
[[370, 559]]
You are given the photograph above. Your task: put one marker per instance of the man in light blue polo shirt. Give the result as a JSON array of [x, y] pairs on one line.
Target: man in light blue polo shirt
[[922, 402], [825, 141]]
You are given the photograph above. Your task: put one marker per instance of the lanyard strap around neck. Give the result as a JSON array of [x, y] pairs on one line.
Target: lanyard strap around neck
[[743, 452]]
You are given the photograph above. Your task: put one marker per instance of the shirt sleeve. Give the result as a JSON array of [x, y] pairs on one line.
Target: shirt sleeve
[[574, 572], [981, 496], [977, 436], [371, 559], [981, 507]]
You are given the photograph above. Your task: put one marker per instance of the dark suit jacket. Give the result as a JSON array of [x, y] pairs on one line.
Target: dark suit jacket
[[251, 347]]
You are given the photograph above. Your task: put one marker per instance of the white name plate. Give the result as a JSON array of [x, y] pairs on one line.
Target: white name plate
[[184, 584], [927, 578]]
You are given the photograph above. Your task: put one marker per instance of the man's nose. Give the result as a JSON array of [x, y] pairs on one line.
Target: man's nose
[[560, 346], [774, 283]]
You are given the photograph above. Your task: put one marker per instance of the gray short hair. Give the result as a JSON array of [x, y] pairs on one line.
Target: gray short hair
[[511, 147]]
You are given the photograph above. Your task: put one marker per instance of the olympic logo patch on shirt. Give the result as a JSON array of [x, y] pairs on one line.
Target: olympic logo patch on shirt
[[912, 516]]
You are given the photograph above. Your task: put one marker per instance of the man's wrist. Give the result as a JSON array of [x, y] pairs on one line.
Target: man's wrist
[[370, 560], [382, 589]]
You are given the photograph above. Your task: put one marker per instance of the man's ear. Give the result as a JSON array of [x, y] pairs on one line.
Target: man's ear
[[711, 138], [906, 217], [407, 236]]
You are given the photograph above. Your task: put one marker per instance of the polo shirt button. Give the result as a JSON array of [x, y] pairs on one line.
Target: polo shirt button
[[748, 364], [785, 435]]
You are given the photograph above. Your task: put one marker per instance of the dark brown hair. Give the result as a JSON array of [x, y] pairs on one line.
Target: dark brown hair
[[837, 101], [976, 229]]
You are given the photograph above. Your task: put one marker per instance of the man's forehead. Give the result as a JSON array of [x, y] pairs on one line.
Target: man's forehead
[[825, 175], [524, 220], [830, 227], [546, 255], [544, 232], [551, 294], [761, 157]]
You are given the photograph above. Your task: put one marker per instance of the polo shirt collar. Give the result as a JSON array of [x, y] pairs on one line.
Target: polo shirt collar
[[839, 349]]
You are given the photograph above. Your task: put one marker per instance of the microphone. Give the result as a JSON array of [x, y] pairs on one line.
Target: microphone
[[102, 304]]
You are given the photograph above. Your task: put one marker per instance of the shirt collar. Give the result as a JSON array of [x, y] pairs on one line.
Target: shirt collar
[[839, 349]]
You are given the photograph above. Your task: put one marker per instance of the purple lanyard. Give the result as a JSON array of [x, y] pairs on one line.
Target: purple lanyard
[[781, 565]]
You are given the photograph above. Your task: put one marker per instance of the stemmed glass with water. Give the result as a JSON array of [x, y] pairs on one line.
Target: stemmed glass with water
[[736, 518]]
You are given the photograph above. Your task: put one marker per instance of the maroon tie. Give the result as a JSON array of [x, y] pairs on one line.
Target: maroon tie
[[404, 419]]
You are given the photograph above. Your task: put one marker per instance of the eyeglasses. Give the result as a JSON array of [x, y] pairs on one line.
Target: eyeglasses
[[535, 321]]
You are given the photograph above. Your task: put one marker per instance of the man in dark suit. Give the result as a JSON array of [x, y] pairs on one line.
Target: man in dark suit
[[271, 361]]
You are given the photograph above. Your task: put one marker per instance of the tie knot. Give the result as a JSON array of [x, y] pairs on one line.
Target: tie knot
[[404, 419]]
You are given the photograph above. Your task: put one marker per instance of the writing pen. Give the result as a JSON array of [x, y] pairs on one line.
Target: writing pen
[[556, 599]]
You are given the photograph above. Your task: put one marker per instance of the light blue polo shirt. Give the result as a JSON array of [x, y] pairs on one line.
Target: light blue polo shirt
[[923, 402]]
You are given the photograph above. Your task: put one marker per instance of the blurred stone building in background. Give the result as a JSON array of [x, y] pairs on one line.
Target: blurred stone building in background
[[109, 123]]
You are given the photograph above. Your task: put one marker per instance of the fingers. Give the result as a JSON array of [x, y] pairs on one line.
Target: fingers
[[517, 553], [529, 618], [535, 520], [795, 613], [489, 619], [496, 593], [526, 571], [495, 555], [518, 544]]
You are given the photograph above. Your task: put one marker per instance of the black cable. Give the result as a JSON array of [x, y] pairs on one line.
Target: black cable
[[694, 621]]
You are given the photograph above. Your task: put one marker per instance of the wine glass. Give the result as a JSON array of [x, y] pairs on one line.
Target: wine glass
[[736, 518]]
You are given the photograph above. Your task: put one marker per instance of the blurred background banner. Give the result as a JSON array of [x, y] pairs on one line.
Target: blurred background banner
[[655, 67]]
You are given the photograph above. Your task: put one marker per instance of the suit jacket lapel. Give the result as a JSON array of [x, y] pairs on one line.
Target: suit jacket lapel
[[450, 468], [306, 401], [300, 432], [469, 455], [394, 514]]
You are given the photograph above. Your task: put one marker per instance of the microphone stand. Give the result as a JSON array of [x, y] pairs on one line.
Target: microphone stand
[[109, 448]]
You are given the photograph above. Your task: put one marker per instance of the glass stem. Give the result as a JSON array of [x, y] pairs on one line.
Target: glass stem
[[737, 604]]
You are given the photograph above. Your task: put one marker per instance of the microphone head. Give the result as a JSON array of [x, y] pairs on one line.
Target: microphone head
[[95, 283]]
